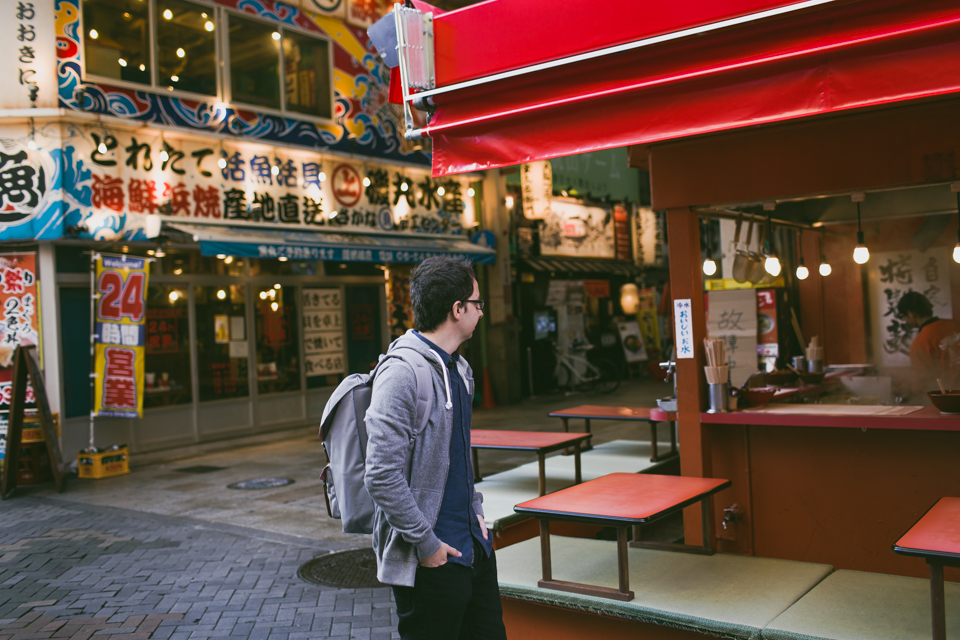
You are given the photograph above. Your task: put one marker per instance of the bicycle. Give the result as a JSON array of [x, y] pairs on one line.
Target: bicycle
[[578, 373]]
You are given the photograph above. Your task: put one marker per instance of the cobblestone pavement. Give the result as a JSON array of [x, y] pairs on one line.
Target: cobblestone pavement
[[77, 571]]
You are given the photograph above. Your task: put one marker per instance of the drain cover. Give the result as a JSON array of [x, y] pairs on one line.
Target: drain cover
[[261, 483], [353, 569]]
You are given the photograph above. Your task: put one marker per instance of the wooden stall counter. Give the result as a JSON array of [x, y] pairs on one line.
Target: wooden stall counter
[[831, 484]]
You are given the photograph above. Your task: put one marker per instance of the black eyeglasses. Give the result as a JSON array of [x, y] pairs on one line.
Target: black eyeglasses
[[479, 303]]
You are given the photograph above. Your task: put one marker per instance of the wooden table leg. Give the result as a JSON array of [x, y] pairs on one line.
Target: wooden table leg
[[705, 518], [937, 609], [545, 550], [623, 562], [566, 425], [542, 480], [653, 442], [476, 466], [589, 445], [578, 478], [673, 438]]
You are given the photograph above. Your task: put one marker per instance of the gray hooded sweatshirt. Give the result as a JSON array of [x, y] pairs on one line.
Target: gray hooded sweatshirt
[[407, 471]]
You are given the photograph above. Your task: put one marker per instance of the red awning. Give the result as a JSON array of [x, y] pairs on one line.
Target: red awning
[[823, 59]]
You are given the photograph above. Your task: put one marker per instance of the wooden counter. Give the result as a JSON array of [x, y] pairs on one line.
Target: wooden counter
[[836, 490], [926, 419]]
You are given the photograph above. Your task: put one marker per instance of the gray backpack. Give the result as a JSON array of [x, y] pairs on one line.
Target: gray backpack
[[344, 436]]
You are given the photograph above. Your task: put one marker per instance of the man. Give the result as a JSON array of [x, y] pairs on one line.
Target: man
[[431, 542], [935, 352]]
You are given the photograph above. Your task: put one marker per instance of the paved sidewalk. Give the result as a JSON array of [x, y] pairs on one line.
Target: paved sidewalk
[[169, 552], [77, 571]]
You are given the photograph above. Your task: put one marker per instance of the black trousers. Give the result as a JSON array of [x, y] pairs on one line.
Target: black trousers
[[453, 602]]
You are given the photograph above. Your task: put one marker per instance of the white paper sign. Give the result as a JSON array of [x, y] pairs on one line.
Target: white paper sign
[[323, 341], [683, 329], [238, 349], [890, 276], [536, 179], [732, 316], [28, 40]]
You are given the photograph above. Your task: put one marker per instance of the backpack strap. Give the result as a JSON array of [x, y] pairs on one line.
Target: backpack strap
[[424, 376], [424, 373]]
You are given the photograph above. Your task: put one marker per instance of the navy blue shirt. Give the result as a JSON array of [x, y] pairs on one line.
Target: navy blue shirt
[[457, 524]]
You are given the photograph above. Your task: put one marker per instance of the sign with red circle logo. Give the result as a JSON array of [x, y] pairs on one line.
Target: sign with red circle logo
[[347, 186]]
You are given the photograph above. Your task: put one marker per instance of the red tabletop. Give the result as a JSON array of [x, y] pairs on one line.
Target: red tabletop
[[521, 439], [629, 497], [603, 413], [936, 533]]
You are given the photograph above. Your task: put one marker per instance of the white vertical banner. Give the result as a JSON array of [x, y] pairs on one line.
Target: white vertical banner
[[683, 330], [732, 316], [536, 180], [323, 341], [28, 62]]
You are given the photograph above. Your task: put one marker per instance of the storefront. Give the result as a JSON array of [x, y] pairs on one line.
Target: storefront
[[835, 114], [586, 247], [250, 153]]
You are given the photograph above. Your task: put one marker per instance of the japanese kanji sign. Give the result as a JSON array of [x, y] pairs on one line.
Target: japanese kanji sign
[[20, 326], [323, 342], [28, 42], [732, 316], [893, 274], [683, 330], [120, 304]]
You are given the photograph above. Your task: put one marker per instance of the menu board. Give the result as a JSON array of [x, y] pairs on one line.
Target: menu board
[[323, 341]]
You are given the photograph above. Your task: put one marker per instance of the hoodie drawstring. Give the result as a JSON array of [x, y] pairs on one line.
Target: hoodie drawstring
[[446, 379]]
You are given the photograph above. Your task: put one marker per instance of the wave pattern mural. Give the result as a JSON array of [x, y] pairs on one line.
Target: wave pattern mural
[[364, 123]]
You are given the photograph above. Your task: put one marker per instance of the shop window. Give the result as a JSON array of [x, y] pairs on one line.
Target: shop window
[[116, 39], [72, 259], [222, 342], [75, 349], [167, 365], [278, 349], [284, 268], [186, 47], [306, 68], [254, 62]]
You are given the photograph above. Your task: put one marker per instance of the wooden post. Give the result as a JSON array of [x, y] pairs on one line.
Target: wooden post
[[686, 281]]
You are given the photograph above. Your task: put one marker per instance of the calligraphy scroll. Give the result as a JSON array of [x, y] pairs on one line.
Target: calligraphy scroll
[[890, 276], [120, 308], [732, 316]]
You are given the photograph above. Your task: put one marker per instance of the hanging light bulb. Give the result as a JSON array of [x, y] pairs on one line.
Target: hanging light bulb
[[323, 177], [366, 182], [772, 265], [221, 294], [102, 148], [222, 163], [274, 306], [861, 254], [164, 156], [825, 268], [709, 266], [159, 252], [471, 192], [802, 272]]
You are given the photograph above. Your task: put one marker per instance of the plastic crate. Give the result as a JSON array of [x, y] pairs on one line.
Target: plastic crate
[[104, 464], [34, 464], [33, 428]]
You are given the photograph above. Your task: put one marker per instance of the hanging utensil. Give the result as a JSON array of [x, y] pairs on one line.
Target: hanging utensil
[[757, 260], [741, 258]]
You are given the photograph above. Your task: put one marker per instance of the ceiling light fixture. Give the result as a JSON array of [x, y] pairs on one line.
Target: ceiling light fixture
[[860, 254]]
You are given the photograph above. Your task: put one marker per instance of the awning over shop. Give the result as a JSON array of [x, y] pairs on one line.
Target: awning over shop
[[671, 70], [582, 265], [337, 247]]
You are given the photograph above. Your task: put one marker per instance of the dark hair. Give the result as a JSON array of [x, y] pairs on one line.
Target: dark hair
[[916, 302], [435, 285]]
